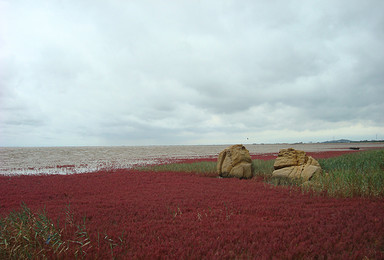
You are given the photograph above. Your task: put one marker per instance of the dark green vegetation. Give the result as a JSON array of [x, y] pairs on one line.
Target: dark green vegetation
[[349, 175], [357, 174]]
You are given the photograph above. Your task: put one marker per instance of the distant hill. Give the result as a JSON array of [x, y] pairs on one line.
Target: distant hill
[[338, 141], [350, 141]]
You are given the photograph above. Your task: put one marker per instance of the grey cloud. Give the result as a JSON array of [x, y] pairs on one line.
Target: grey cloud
[[149, 72]]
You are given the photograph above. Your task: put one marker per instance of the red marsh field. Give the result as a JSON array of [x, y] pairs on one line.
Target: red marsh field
[[131, 214]]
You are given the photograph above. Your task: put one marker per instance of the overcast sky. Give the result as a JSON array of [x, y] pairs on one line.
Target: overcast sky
[[92, 72]]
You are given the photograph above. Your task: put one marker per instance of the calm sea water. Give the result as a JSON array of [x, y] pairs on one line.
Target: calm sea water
[[69, 160]]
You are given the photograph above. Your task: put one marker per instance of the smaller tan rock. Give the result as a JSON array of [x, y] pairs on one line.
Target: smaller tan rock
[[291, 163], [235, 161]]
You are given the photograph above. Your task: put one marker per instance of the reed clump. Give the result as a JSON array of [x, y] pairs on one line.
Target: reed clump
[[28, 235], [359, 174]]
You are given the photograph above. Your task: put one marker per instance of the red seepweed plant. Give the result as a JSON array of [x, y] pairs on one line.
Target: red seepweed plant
[[135, 214]]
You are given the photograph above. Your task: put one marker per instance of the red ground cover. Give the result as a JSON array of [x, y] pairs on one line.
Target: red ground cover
[[177, 215]]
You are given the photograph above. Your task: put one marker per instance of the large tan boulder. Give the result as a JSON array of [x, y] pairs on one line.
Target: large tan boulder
[[291, 163], [235, 161]]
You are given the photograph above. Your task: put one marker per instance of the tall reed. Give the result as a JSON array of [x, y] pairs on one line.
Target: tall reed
[[28, 235], [24, 234], [350, 175]]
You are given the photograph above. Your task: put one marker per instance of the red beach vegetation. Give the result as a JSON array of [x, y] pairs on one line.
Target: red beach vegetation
[[144, 214]]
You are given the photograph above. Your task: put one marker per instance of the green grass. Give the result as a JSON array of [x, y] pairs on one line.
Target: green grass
[[203, 168], [263, 168], [358, 174]]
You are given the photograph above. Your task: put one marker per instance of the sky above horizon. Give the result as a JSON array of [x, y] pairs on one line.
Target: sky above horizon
[[190, 72]]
